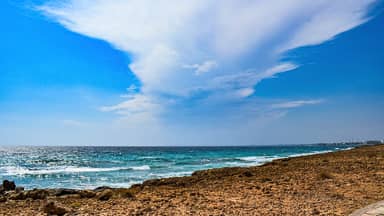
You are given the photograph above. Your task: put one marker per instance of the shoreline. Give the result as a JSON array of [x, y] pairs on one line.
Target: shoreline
[[278, 186], [250, 163]]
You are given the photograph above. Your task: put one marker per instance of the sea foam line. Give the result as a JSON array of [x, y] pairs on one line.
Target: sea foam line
[[11, 170]]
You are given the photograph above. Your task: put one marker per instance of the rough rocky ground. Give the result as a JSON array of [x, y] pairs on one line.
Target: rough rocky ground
[[326, 184]]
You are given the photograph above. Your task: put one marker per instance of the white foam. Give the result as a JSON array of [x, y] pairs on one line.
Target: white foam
[[310, 153], [258, 158], [144, 167], [11, 170], [147, 157], [171, 174]]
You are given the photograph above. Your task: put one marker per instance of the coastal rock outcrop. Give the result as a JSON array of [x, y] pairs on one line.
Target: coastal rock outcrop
[[64, 191], [105, 195], [37, 194], [19, 189], [86, 193], [7, 186]]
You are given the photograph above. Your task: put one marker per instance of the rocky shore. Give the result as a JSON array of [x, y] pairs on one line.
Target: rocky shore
[[326, 184]]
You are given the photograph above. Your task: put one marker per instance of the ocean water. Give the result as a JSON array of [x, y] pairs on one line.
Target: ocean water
[[90, 167]]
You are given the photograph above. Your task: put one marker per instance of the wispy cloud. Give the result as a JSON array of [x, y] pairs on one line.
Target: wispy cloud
[[203, 67], [295, 104], [137, 103]]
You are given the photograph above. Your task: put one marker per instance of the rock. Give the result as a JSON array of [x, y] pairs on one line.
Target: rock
[[52, 209], [87, 194], [9, 185], [37, 194], [247, 174], [3, 199], [71, 196], [102, 188], [17, 196], [105, 195], [315, 212], [129, 195], [64, 191], [19, 189]]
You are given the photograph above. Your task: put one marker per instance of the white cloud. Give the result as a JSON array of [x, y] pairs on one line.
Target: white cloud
[[203, 67], [166, 38], [137, 103], [295, 104], [280, 68], [247, 79], [245, 92], [329, 20]]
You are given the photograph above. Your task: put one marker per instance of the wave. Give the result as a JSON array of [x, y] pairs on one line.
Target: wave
[[144, 167], [260, 159], [310, 153], [170, 174], [70, 169]]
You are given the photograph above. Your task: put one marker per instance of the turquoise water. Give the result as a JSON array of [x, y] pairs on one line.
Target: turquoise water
[[90, 167]]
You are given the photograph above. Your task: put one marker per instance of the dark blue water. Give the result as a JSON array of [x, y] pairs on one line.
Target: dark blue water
[[89, 167]]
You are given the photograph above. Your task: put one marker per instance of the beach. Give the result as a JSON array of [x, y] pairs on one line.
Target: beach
[[335, 183]]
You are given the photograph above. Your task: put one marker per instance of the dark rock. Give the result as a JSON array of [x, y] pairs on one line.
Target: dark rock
[[87, 194], [3, 199], [64, 191], [247, 174], [265, 179], [315, 212], [19, 189], [37, 194], [325, 175], [17, 196], [52, 209], [105, 195], [102, 188], [128, 194], [9, 185]]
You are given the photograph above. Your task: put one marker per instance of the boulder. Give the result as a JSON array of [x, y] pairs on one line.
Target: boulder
[[9, 185], [37, 194], [87, 194], [105, 195], [64, 191], [3, 199], [17, 196], [102, 188], [52, 209], [247, 174], [19, 189]]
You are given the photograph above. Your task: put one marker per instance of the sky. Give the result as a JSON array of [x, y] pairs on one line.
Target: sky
[[202, 72]]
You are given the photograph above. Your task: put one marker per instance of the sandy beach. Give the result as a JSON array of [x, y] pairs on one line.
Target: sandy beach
[[325, 184]]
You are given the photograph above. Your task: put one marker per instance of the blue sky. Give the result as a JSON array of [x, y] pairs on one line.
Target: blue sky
[[190, 73]]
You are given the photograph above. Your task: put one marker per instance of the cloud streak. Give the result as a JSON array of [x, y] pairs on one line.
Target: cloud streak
[[295, 104]]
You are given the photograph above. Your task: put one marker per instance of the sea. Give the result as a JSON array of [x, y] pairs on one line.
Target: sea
[[91, 167]]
